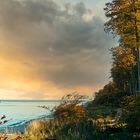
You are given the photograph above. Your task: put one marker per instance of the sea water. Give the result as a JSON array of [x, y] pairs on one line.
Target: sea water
[[19, 112]]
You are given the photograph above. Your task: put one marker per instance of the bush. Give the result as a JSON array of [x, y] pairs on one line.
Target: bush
[[131, 115], [110, 95], [70, 109]]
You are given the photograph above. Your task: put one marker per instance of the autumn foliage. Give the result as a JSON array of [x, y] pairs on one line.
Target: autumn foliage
[[71, 109]]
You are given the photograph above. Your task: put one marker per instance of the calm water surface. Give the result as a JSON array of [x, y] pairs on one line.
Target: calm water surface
[[19, 112]]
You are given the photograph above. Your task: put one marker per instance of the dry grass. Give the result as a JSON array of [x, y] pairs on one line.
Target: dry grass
[[4, 136]]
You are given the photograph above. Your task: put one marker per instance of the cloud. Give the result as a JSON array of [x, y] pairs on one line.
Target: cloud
[[47, 47], [34, 95]]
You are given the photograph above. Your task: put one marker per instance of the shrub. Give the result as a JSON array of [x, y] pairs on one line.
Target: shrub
[[109, 96], [71, 109], [131, 115]]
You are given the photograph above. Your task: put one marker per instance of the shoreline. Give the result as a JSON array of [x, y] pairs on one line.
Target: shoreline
[[22, 127]]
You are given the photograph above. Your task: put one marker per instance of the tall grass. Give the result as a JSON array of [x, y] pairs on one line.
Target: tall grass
[[61, 130]]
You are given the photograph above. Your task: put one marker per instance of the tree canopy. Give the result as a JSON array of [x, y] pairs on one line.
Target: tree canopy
[[124, 22]]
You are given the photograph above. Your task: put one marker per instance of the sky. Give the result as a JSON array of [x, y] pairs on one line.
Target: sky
[[49, 48]]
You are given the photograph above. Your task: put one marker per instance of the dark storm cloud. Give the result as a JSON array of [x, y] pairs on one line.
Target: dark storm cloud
[[63, 45]]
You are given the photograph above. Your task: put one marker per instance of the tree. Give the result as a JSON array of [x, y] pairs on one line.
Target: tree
[[110, 95], [124, 22], [124, 18], [123, 64]]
